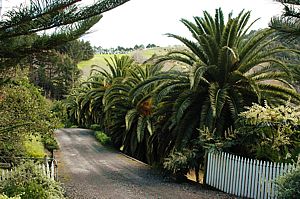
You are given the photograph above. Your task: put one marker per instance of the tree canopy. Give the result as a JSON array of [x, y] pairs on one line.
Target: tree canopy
[[23, 30]]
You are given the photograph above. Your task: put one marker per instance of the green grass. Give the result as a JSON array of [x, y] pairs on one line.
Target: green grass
[[34, 147]]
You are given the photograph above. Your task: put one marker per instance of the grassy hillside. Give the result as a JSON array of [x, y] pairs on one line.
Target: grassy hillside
[[99, 60], [139, 55]]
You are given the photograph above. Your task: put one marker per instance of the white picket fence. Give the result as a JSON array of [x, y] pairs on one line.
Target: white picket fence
[[49, 169], [242, 176]]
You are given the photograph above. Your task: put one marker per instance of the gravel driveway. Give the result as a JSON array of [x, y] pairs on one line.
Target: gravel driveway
[[91, 171]]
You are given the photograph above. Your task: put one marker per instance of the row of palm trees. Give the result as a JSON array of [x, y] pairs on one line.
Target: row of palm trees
[[150, 111]]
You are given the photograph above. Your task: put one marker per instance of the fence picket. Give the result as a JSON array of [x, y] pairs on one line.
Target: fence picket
[[208, 168], [213, 170], [251, 174], [227, 173], [223, 170], [269, 178], [245, 179], [52, 170], [239, 181]]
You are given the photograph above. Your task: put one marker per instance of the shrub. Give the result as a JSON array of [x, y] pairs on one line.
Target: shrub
[[95, 127], [50, 142], [34, 147], [6, 197], [30, 183], [270, 133], [24, 112], [102, 138], [179, 163], [289, 185]]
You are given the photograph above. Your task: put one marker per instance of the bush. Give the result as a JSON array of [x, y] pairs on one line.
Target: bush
[[50, 142], [24, 113], [95, 127], [30, 183], [289, 185], [102, 138], [179, 163], [6, 197], [34, 147], [269, 133]]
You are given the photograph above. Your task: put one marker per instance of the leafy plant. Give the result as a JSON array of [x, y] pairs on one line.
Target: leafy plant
[[270, 132], [34, 147], [223, 70], [6, 197], [50, 142], [95, 127], [24, 112], [102, 138], [179, 162]]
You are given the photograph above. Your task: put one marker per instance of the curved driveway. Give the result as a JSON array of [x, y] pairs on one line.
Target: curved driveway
[[91, 171]]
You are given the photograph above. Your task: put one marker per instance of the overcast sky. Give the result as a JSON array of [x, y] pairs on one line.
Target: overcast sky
[[146, 21]]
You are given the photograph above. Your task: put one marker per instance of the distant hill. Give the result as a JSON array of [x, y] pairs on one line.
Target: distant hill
[[140, 56]]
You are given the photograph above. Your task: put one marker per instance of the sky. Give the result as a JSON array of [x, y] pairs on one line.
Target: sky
[[147, 21]]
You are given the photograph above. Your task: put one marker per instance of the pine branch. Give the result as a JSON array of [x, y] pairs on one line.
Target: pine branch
[[289, 23], [39, 17]]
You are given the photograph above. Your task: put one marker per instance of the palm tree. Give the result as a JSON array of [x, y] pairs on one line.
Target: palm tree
[[225, 73], [85, 105], [129, 117]]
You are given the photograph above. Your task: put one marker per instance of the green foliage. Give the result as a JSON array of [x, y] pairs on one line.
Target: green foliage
[[69, 18], [77, 50], [23, 113], [150, 112], [50, 142], [95, 127], [288, 185], [58, 109], [34, 147], [54, 72], [262, 132], [102, 138], [6, 197], [271, 133], [30, 183], [179, 162]]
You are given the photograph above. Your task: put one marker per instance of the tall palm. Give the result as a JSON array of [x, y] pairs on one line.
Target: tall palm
[[85, 105], [225, 72], [130, 116]]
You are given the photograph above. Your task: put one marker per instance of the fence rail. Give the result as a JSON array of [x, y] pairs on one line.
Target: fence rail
[[48, 168], [242, 176]]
